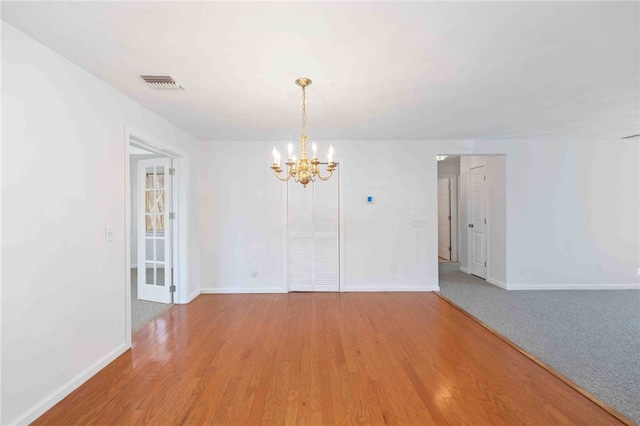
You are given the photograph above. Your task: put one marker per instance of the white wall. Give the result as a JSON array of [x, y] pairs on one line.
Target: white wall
[[570, 218], [242, 216], [497, 220], [572, 213], [63, 182]]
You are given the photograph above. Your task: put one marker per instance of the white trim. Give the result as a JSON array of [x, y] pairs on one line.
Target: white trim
[[496, 283], [392, 288], [63, 391], [182, 202], [594, 286], [285, 238], [465, 270], [127, 241], [182, 195], [193, 296], [341, 286], [234, 290]]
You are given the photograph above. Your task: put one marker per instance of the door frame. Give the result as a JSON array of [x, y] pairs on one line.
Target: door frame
[[180, 203], [461, 228], [285, 235], [453, 223]]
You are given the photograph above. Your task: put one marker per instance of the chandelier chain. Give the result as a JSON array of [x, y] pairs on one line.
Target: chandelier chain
[[304, 111]]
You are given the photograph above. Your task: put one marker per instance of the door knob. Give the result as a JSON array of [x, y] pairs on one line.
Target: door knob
[[471, 225]]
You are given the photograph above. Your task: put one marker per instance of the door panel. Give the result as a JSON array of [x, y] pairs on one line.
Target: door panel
[[477, 226], [154, 230], [444, 218], [312, 227]]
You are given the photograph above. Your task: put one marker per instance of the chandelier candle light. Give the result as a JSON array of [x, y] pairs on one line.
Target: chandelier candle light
[[304, 170]]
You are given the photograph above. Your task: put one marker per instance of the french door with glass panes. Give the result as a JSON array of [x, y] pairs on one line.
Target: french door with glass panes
[[154, 230]]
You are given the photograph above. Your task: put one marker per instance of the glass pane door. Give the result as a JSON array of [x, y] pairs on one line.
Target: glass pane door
[[154, 233]]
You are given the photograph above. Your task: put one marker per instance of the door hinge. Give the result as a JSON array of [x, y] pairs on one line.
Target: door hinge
[[172, 171], [172, 216], [449, 248], [485, 220], [485, 264], [172, 289], [485, 177], [449, 217]]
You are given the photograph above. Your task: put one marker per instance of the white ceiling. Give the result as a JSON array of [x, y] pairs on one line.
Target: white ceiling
[[384, 70]]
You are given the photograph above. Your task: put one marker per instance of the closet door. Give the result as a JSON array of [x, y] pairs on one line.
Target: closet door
[[313, 256], [326, 235], [300, 233]]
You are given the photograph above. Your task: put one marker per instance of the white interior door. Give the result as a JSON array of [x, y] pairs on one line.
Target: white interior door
[[300, 257], [154, 230], [325, 226], [478, 221], [444, 218], [313, 240]]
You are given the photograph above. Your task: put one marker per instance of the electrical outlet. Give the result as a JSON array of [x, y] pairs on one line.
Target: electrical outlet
[[416, 222], [108, 234], [598, 267], [394, 267]]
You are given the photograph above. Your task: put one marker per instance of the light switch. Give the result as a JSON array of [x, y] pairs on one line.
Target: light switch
[[108, 234]]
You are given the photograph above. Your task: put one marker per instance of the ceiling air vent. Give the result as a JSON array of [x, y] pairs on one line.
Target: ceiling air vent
[[162, 82]]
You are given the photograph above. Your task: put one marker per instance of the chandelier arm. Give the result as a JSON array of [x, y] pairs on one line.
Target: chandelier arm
[[326, 178], [283, 179]]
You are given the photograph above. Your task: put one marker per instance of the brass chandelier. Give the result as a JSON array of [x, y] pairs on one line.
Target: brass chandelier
[[304, 170]]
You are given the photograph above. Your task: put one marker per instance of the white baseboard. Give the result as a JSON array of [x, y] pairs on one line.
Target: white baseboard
[[43, 406], [391, 289], [193, 296], [497, 283], [233, 290], [465, 270], [596, 286]]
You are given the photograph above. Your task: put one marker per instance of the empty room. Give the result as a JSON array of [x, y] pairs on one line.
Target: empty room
[[326, 213]]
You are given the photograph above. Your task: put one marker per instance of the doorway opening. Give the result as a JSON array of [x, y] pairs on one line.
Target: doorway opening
[[151, 235], [472, 217], [156, 215]]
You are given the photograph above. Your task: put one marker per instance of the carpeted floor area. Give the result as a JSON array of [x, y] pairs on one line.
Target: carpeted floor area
[[592, 337], [142, 312]]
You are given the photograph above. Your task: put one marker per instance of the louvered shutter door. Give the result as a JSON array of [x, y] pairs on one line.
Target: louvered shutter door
[[326, 234], [313, 236], [300, 234]]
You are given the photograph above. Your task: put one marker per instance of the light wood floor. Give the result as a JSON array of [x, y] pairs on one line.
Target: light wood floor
[[305, 358]]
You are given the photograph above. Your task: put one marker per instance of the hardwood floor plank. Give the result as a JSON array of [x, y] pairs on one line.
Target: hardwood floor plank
[[326, 358]]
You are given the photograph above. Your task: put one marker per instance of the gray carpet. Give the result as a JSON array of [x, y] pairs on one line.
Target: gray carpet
[[142, 312], [592, 337]]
